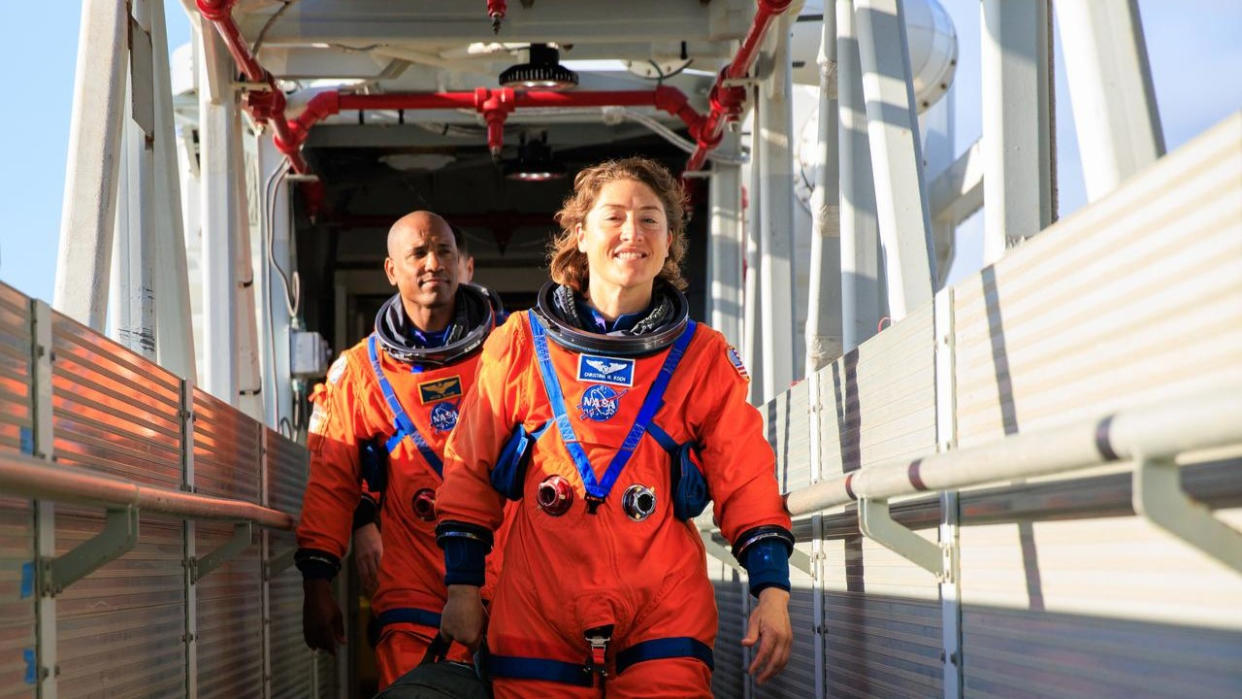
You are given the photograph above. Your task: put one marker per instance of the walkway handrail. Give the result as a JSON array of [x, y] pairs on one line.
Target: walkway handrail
[[1201, 421], [25, 476]]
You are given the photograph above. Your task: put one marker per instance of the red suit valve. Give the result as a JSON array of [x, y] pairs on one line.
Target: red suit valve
[[555, 495], [425, 505]]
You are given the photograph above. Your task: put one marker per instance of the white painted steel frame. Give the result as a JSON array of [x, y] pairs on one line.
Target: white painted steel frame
[[859, 235], [896, 156], [725, 243], [774, 156], [752, 308], [1111, 93], [946, 441], [89, 206], [823, 316], [1017, 140], [44, 509]]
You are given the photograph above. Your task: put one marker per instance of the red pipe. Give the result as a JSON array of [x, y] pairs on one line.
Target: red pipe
[[496, 12], [495, 105], [265, 105], [726, 102]]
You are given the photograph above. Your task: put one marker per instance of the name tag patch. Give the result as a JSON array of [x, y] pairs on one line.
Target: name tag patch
[[614, 370], [440, 389]]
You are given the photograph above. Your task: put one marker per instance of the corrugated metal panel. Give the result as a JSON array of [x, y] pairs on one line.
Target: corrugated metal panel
[[787, 420], [1104, 604], [1139, 612], [230, 642], [113, 411], [119, 629], [292, 661], [1153, 308], [288, 464], [730, 674], [17, 601], [15, 418], [883, 620], [227, 450]]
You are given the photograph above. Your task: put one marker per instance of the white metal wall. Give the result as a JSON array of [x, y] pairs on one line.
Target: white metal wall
[[1104, 604], [125, 629]]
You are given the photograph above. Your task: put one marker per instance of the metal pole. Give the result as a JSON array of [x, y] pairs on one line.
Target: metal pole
[[938, 155], [249, 375], [84, 258], [174, 340], [218, 142], [823, 315], [752, 350], [1111, 92], [276, 231], [776, 225], [134, 286], [859, 235], [1201, 421], [1017, 146], [725, 247], [44, 510], [892, 123]]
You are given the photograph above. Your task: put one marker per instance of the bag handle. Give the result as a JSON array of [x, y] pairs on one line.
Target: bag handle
[[437, 651]]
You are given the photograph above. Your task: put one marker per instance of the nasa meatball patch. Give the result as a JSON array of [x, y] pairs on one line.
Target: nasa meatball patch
[[444, 417], [599, 403], [736, 360], [617, 371]]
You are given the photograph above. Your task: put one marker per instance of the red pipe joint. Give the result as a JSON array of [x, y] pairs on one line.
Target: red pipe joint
[[495, 106], [216, 10]]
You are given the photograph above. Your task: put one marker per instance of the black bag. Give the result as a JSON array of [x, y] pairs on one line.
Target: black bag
[[437, 678]]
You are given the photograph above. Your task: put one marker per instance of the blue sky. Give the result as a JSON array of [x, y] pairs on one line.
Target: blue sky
[[1193, 45]]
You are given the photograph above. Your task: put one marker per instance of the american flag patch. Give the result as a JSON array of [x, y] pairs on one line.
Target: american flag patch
[[736, 360]]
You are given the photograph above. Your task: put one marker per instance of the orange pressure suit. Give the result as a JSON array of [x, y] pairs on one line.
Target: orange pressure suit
[[355, 411], [627, 561]]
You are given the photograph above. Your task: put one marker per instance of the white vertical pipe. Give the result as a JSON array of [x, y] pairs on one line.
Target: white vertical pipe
[[1111, 91], [134, 286], [896, 157], [89, 205], [859, 235], [1016, 141], [174, 341], [274, 318], [776, 230], [823, 316], [752, 349], [249, 372], [938, 155], [219, 140], [724, 201]]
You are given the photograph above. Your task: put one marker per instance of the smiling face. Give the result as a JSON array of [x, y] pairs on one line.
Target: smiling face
[[625, 237], [422, 262]]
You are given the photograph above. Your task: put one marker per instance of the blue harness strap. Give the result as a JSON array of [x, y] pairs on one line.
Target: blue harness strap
[[515, 668], [408, 615], [401, 420], [599, 489], [662, 648]]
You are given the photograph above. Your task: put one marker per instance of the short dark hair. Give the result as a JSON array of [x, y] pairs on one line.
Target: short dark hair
[[463, 244]]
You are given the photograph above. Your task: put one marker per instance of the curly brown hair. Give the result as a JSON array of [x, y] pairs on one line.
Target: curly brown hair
[[568, 266]]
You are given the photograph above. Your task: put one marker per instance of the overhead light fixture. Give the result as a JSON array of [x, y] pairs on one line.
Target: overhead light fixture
[[534, 162], [543, 71]]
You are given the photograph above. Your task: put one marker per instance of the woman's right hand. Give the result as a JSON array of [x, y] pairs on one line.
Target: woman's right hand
[[463, 617]]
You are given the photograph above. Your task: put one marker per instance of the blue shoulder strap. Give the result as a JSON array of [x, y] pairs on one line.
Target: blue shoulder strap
[[401, 420], [599, 489]]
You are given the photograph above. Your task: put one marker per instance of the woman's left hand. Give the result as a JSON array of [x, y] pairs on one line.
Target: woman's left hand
[[770, 629]]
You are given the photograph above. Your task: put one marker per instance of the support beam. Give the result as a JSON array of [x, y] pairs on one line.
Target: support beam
[[859, 234], [1111, 91], [174, 339], [896, 156], [133, 281], [776, 198], [1017, 134], [84, 258], [219, 144], [725, 246], [752, 310], [823, 316]]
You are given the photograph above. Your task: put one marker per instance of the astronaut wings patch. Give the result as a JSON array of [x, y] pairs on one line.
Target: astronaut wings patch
[[736, 360]]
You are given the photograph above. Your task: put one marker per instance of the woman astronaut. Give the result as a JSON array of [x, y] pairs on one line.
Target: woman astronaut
[[612, 419]]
